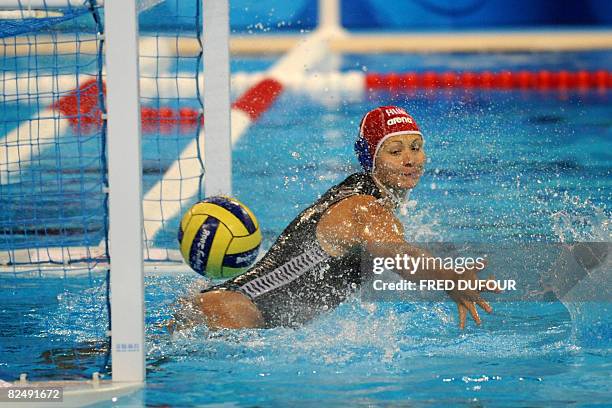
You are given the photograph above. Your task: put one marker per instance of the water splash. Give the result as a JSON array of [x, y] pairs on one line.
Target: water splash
[[582, 221], [419, 223]]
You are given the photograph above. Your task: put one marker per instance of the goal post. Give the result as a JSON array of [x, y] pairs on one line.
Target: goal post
[[125, 191], [217, 126]]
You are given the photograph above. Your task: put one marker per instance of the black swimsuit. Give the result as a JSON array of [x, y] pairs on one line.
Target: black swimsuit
[[297, 280]]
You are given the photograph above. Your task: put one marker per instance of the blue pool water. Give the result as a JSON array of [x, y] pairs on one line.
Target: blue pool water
[[502, 167]]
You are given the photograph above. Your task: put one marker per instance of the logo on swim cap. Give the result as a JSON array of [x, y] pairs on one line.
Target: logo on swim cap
[[376, 126], [399, 119]]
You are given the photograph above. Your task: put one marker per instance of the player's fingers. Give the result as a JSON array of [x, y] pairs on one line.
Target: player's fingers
[[471, 307], [462, 315], [470, 296], [485, 306]]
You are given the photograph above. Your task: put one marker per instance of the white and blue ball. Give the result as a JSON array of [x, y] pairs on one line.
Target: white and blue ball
[[219, 237]]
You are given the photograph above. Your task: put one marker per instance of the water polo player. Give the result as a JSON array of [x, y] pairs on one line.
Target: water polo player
[[314, 265]]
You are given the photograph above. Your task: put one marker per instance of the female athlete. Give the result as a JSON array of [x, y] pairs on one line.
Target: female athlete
[[314, 265]]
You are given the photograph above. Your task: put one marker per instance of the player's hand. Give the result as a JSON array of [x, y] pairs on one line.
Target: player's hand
[[468, 299]]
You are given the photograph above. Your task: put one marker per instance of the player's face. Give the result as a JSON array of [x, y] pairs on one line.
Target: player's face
[[399, 161]]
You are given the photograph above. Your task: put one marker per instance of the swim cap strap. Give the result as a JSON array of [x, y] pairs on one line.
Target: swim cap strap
[[389, 194]]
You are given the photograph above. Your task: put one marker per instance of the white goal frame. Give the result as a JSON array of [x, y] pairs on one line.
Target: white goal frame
[[125, 191]]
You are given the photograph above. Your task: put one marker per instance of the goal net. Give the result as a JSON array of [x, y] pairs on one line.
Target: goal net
[[54, 218]]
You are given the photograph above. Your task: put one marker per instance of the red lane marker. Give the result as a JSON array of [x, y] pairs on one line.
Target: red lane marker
[[525, 79], [468, 79], [430, 79], [254, 102], [373, 81], [449, 80], [81, 108], [543, 79], [187, 115], [487, 79], [603, 79], [564, 80], [258, 99], [411, 80], [582, 78], [506, 79], [169, 116], [81, 105], [164, 120], [393, 81]]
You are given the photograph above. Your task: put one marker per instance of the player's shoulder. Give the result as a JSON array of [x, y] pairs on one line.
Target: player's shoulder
[[361, 204], [360, 199], [357, 195]]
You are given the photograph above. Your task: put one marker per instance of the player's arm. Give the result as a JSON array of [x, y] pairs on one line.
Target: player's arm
[[382, 235]]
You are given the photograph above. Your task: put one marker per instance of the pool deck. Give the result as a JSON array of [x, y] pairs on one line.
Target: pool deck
[[368, 43]]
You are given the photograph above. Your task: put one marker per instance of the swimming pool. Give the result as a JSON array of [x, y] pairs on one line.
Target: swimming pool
[[503, 166]]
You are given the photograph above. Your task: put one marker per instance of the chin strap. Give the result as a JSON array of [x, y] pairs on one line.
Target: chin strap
[[399, 202]]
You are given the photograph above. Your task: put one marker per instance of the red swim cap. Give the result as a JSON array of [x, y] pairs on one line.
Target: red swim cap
[[378, 125]]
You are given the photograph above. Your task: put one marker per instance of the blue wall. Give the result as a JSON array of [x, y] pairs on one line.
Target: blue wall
[[280, 15], [473, 14]]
